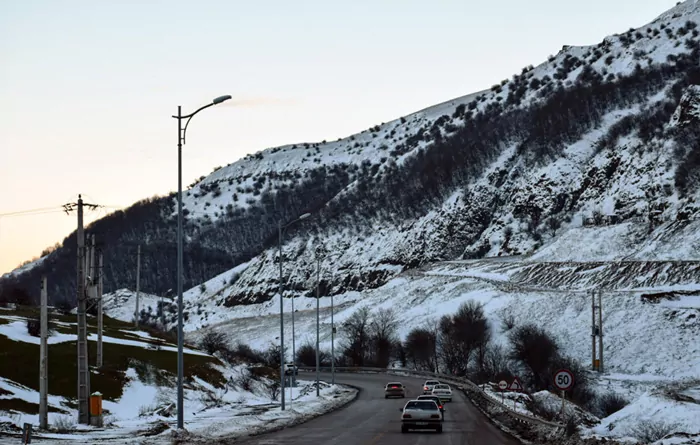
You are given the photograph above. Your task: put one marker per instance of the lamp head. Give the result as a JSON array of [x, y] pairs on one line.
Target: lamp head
[[220, 99]]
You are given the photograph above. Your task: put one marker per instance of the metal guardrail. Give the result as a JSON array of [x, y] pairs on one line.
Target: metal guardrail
[[457, 381]]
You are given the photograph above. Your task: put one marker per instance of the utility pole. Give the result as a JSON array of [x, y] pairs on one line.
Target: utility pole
[[100, 320], [281, 290], [138, 284], [318, 296], [43, 359], [600, 328], [594, 332], [82, 350], [597, 330]]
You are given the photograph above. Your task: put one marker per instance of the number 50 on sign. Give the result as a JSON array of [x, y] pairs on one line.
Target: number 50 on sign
[[564, 379]]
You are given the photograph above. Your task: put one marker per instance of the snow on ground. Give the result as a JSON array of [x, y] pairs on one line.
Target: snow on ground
[[121, 304], [208, 412], [648, 346], [17, 331]]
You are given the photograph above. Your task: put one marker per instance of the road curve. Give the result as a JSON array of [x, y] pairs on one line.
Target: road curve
[[374, 420]]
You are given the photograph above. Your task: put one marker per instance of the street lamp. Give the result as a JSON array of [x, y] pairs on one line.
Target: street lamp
[[180, 338], [318, 281], [280, 229]]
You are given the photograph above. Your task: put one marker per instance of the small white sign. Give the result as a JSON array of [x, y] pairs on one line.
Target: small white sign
[[502, 385]]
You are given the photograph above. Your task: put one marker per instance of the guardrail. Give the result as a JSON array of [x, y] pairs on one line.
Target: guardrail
[[455, 380]]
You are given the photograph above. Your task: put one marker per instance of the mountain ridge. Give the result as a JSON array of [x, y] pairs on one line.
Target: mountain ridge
[[587, 135]]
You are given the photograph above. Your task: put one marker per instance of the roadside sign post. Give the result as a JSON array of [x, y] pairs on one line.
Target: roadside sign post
[[564, 381], [517, 386], [503, 385]]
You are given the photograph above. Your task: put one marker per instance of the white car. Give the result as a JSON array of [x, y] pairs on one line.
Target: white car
[[290, 368], [428, 386], [421, 414], [443, 391]]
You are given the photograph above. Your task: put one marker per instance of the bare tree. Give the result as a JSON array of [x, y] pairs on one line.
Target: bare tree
[[420, 346], [448, 346], [383, 329], [536, 350], [470, 328], [357, 336]]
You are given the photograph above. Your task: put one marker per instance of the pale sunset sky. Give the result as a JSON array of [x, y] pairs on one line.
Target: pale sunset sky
[[87, 88]]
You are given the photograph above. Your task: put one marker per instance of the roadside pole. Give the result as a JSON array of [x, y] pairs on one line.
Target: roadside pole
[[43, 359]]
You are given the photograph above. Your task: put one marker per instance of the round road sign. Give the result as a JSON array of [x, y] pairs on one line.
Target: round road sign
[[564, 379], [502, 385]]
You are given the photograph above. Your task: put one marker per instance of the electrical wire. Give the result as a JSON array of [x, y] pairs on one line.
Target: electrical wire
[[33, 211]]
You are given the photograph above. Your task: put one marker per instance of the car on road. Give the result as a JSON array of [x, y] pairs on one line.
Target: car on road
[[443, 391], [428, 386], [394, 389], [290, 368], [435, 399], [421, 415]]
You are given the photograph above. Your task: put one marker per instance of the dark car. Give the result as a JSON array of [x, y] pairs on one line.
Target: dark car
[[435, 399], [394, 389]]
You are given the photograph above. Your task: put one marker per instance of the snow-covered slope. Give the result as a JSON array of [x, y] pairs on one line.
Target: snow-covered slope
[[587, 179]]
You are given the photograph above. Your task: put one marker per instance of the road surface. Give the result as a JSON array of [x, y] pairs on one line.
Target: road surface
[[374, 420]]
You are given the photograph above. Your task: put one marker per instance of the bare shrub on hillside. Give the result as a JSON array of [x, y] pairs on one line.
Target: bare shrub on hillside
[[610, 403], [243, 380], [272, 389], [648, 431], [64, 424], [507, 322], [34, 327], [214, 342]]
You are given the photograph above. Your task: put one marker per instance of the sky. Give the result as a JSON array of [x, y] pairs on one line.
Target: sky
[[88, 88]]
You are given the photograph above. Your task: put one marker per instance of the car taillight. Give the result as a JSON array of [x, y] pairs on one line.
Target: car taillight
[[425, 388], [435, 416], [406, 416], [440, 406]]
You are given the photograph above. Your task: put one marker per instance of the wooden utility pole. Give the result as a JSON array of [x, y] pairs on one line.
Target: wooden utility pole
[[600, 328], [594, 331], [44, 359], [138, 284], [82, 350], [597, 329], [100, 272]]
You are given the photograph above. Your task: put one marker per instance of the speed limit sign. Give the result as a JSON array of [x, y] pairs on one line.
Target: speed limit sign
[[564, 379]]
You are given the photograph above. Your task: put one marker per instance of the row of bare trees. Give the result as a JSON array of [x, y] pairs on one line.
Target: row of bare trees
[[455, 344], [370, 339]]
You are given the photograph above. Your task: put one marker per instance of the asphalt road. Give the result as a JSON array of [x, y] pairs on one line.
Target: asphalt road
[[374, 420]]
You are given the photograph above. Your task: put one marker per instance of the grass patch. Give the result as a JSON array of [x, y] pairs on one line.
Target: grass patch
[[23, 406], [19, 362]]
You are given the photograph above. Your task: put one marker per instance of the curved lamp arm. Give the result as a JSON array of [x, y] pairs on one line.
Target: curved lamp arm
[[189, 117]]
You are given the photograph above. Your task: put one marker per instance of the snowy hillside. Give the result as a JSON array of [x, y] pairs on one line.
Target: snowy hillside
[[597, 138], [137, 383], [617, 175]]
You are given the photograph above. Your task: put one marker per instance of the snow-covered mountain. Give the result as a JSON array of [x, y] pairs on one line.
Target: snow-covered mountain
[[599, 137]]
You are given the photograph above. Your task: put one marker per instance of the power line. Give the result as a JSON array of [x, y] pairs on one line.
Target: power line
[[33, 211]]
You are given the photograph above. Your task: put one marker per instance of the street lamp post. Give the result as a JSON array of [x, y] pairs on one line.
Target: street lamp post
[[180, 339], [280, 233], [318, 297], [319, 251]]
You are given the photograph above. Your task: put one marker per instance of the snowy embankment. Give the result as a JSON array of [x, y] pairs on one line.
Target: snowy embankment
[[140, 401], [652, 356]]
